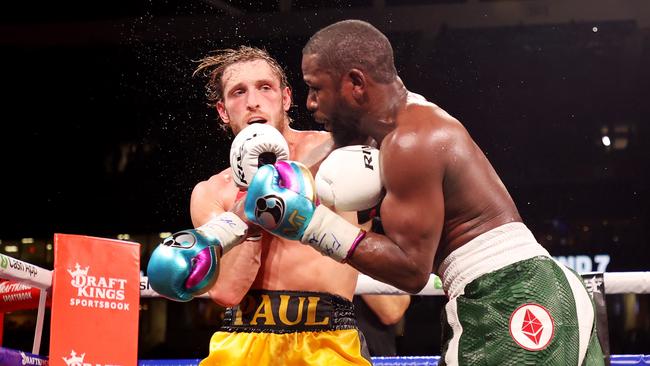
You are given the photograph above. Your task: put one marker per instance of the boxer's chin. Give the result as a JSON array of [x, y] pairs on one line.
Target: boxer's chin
[[327, 126], [342, 136]]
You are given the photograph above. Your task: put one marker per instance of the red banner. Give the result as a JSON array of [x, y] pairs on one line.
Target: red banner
[[17, 296], [95, 303]]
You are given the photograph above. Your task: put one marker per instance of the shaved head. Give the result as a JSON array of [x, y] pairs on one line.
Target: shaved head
[[353, 44]]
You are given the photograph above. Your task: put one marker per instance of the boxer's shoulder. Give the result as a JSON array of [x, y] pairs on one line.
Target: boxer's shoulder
[[426, 126], [313, 137], [311, 147], [423, 113], [219, 187], [418, 149], [221, 181]]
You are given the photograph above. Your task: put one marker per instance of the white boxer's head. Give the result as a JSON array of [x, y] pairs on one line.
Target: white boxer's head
[[247, 86]]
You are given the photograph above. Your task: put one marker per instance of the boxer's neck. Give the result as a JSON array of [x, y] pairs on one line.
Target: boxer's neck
[[387, 100]]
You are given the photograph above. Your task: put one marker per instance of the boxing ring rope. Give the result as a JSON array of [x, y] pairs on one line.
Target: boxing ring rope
[[615, 283], [34, 276], [31, 275]]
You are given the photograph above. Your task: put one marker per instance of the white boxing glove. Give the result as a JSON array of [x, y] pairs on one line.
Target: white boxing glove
[[254, 146], [349, 179]]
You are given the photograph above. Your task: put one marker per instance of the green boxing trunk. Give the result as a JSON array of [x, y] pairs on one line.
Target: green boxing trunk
[[530, 311]]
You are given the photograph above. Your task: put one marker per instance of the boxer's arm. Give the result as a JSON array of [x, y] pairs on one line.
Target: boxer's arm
[[389, 308], [412, 213], [239, 266]]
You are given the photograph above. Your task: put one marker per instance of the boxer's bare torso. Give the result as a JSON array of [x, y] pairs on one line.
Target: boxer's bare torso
[[441, 192], [475, 199], [272, 263]]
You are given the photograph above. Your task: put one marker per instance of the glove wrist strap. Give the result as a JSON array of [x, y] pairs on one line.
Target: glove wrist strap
[[228, 229], [331, 234]]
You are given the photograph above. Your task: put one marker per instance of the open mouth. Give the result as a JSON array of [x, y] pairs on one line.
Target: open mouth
[[256, 120]]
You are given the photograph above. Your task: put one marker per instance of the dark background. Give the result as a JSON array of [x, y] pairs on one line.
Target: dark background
[[105, 131]]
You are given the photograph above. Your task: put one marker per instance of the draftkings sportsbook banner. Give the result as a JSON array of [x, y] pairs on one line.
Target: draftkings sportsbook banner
[[95, 301]]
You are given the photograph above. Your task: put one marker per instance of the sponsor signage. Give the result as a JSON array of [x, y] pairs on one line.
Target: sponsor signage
[[24, 272], [18, 296], [585, 263], [96, 297], [532, 327], [12, 357]]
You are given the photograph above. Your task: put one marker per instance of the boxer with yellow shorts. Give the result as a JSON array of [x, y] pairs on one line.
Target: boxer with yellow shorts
[[289, 328]]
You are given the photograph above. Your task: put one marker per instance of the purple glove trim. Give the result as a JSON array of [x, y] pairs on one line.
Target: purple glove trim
[[287, 176], [200, 266], [362, 234]]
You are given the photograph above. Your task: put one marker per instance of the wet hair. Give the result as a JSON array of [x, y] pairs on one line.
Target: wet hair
[[214, 65], [353, 44]]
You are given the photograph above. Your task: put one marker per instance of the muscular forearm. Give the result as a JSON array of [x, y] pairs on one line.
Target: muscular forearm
[[388, 308], [238, 269], [379, 257]]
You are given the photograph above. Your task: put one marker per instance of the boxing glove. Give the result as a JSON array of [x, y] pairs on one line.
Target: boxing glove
[[254, 146], [186, 264], [281, 199], [349, 179]]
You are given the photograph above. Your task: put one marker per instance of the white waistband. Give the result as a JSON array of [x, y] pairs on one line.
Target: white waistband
[[492, 250]]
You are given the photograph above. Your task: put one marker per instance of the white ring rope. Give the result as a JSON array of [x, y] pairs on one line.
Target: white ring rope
[[615, 283], [29, 274], [26, 273]]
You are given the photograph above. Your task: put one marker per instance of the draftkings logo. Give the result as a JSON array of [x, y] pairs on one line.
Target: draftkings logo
[[31, 360], [12, 291], [97, 292], [74, 359], [78, 360], [532, 327]]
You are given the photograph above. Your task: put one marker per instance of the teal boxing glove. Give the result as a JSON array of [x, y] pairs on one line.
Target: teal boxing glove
[[281, 199], [186, 264]]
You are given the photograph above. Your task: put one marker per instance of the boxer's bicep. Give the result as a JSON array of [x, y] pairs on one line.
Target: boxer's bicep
[[412, 214], [413, 209], [205, 202], [414, 223], [238, 268]]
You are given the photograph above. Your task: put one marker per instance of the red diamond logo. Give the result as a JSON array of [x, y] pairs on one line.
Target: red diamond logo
[[532, 327]]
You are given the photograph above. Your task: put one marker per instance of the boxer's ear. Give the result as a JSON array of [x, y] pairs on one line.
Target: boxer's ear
[[359, 83], [221, 109], [286, 98]]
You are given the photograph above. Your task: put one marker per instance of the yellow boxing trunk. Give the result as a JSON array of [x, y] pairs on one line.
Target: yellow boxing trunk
[[289, 328]]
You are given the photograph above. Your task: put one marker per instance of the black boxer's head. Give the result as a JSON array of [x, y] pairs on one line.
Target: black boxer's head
[[353, 44], [339, 64]]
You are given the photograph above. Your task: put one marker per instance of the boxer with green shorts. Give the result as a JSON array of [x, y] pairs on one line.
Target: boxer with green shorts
[[515, 309], [445, 211]]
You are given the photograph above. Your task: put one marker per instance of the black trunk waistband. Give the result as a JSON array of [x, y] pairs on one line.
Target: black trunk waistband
[[288, 312]]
